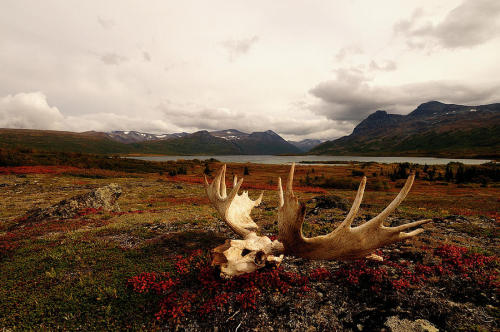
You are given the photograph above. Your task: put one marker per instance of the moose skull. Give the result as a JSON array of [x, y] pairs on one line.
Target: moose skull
[[237, 257]]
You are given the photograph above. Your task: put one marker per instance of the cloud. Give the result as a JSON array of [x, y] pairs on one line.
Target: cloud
[[238, 47], [29, 110], [112, 59], [472, 23], [351, 96], [348, 51], [105, 23], [32, 111], [388, 65], [194, 117], [113, 121]]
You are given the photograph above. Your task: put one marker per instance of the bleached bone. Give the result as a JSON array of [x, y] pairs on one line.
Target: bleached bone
[[236, 257], [344, 243]]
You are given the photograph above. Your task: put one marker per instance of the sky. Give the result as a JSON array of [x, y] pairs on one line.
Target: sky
[[304, 69]]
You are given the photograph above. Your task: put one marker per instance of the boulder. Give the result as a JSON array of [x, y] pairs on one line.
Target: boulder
[[330, 202], [104, 198], [395, 324]]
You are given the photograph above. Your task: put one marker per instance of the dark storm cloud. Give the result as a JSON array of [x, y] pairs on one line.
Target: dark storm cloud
[[352, 97], [238, 47], [472, 23]]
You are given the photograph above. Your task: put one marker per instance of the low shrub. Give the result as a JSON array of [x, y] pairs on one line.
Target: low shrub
[[195, 288]]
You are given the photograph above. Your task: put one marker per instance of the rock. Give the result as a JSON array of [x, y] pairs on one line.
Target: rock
[[104, 198], [404, 325], [330, 202]]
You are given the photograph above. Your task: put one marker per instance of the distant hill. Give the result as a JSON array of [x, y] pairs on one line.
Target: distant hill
[[306, 144], [65, 141], [199, 143], [432, 129]]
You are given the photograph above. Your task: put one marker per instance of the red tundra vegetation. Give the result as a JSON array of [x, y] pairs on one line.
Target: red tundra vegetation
[[194, 288]]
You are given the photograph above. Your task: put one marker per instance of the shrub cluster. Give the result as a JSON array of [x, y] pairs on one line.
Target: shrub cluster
[[194, 287]]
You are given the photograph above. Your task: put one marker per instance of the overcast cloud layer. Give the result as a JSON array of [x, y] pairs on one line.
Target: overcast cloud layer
[[303, 69]]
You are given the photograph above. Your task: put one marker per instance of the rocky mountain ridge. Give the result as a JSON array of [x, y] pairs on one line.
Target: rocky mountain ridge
[[433, 128]]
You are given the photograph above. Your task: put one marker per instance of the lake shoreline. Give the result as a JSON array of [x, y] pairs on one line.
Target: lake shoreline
[[312, 159]]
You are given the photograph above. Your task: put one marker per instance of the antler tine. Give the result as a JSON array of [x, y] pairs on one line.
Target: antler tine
[[355, 205], [280, 193], [215, 185], [379, 219], [235, 190], [289, 184], [223, 192], [409, 225]]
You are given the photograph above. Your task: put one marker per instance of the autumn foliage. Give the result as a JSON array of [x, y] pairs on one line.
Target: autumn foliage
[[195, 288]]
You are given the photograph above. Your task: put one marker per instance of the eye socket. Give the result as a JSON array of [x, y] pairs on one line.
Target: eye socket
[[260, 257], [245, 252]]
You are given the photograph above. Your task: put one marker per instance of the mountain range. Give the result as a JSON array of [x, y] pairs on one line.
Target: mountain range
[[432, 129], [224, 142], [253, 143]]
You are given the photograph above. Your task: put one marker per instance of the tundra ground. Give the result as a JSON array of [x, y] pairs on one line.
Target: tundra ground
[[91, 272]]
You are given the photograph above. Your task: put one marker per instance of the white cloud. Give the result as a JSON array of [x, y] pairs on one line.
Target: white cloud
[[32, 111], [29, 110]]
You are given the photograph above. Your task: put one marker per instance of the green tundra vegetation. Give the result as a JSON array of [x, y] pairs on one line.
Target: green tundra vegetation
[[147, 267]]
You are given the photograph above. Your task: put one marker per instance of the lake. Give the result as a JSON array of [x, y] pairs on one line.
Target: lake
[[264, 159]]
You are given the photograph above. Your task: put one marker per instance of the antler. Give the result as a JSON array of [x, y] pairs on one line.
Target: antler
[[233, 208], [253, 252], [345, 242]]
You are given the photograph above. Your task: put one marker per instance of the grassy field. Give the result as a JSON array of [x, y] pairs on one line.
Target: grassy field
[[83, 273]]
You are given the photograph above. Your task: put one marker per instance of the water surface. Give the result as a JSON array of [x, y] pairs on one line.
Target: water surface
[[280, 160]]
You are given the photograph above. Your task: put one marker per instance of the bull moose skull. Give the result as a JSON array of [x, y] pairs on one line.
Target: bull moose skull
[[236, 257], [242, 256]]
